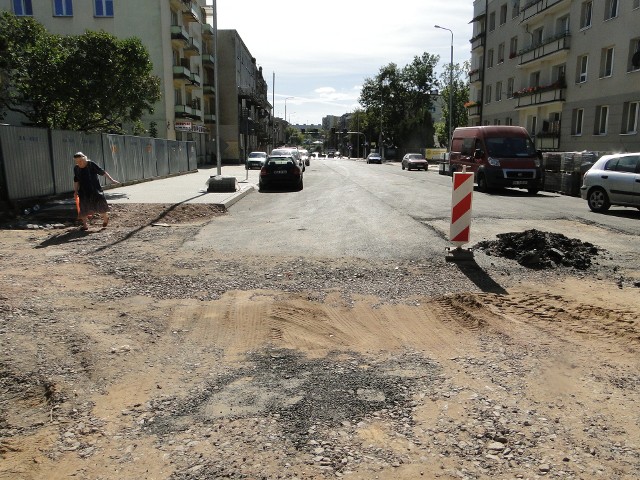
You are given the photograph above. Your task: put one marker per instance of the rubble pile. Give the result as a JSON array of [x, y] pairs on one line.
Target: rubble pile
[[541, 250]]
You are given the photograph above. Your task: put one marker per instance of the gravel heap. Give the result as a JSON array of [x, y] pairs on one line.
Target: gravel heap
[[541, 250]]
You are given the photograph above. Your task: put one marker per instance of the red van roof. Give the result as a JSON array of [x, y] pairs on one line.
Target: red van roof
[[491, 131]]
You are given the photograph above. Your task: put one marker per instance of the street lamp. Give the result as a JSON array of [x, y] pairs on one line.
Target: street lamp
[[450, 86], [285, 107]]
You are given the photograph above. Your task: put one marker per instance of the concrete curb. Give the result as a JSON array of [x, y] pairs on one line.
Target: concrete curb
[[237, 196]]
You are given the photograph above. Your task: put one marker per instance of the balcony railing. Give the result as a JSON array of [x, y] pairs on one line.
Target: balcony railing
[[191, 12], [474, 109], [209, 118], [193, 47], [181, 73], [208, 59], [195, 79], [550, 46], [541, 95], [207, 29], [478, 41], [208, 88], [178, 32], [183, 111], [534, 7], [475, 75]]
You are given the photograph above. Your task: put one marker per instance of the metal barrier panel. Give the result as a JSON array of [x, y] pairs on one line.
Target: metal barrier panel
[[162, 156], [149, 163], [26, 162], [115, 157], [192, 157], [133, 147], [178, 157], [63, 145]]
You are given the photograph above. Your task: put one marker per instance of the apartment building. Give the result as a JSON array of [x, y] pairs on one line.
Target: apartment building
[[567, 70], [245, 113], [181, 42]]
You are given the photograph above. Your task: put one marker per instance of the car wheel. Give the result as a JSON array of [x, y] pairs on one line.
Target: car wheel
[[482, 183], [300, 186], [598, 200], [533, 191], [403, 166]]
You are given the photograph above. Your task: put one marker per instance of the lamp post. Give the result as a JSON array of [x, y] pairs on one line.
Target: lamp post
[[450, 86], [285, 107]]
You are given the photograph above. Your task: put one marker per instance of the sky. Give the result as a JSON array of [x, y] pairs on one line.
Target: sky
[[322, 52]]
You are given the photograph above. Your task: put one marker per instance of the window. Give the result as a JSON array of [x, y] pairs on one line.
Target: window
[[487, 95], [581, 73], [630, 117], [490, 58], [558, 73], [492, 21], [22, 8], [636, 4], [606, 62], [562, 25], [501, 53], [177, 93], [498, 91], [508, 121], [634, 54], [510, 83], [503, 14], [536, 36], [576, 122], [611, 9], [602, 118], [516, 9], [628, 164], [63, 8], [104, 8], [513, 47], [534, 79], [533, 125], [585, 14], [496, 122]]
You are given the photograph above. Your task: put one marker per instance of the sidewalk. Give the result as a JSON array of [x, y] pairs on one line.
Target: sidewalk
[[186, 188]]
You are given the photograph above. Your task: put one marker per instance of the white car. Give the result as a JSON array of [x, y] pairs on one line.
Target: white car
[[612, 180], [256, 159]]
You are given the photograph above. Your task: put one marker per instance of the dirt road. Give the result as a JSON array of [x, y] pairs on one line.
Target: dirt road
[[125, 355]]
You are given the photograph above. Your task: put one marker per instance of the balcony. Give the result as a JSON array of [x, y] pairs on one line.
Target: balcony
[[179, 34], [183, 111], [195, 79], [207, 29], [547, 141], [181, 73], [554, 45], [544, 95], [208, 88], [474, 109], [209, 118], [475, 76], [208, 60], [478, 41], [196, 113], [193, 47], [536, 7], [191, 12]]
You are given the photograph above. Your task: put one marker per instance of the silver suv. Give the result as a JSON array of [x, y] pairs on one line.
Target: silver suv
[[612, 180]]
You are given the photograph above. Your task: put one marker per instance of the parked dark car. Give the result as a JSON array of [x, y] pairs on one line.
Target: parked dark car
[[414, 161], [374, 158], [280, 171]]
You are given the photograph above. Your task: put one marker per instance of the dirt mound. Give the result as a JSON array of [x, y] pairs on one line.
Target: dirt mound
[[541, 250]]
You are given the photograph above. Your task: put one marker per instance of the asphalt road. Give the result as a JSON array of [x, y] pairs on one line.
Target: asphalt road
[[349, 208]]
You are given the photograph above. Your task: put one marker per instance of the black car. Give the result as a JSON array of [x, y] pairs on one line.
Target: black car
[[280, 171]]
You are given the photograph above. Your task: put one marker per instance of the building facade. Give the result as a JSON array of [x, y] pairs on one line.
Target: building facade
[[180, 39], [567, 70], [245, 113]]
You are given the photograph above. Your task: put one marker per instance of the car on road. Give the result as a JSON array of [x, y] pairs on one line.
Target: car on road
[[374, 158], [612, 180], [256, 160], [415, 161], [292, 152], [280, 171]]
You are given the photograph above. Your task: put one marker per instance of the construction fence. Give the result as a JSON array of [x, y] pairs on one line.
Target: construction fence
[[38, 162]]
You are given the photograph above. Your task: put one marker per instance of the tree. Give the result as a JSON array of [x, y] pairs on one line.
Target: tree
[[398, 103], [460, 97], [88, 82]]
